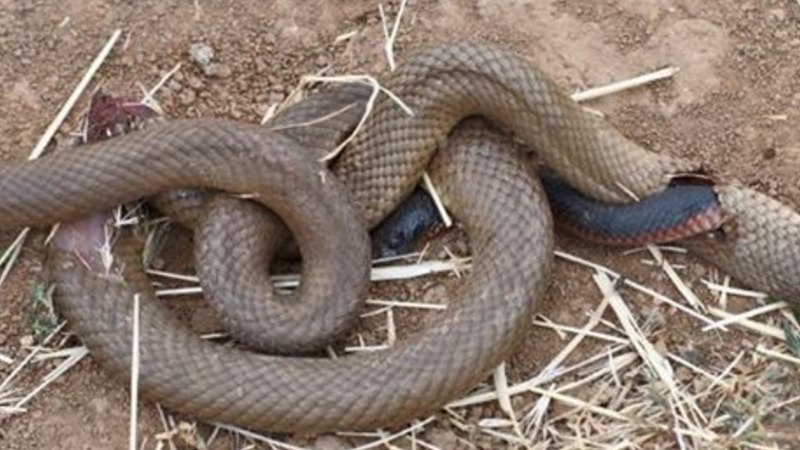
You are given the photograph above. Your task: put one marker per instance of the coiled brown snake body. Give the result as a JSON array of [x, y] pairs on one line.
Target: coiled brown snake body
[[492, 192]]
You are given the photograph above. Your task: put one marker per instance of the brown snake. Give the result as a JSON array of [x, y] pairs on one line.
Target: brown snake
[[490, 191]]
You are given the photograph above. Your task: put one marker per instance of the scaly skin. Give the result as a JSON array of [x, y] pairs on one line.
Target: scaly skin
[[490, 191]]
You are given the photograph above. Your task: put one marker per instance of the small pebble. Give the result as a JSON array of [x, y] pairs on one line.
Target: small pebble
[[270, 38], [187, 97], [195, 83], [684, 374], [202, 54], [219, 71], [27, 340], [174, 85]]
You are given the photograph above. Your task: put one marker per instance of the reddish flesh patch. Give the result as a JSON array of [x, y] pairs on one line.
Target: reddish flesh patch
[[87, 238]]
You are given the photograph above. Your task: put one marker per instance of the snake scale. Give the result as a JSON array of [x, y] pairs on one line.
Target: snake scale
[[491, 191]]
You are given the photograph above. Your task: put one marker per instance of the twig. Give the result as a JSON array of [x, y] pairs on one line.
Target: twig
[[376, 89], [437, 200], [572, 401], [12, 253], [149, 95], [632, 284], [134, 373], [525, 386], [618, 86], [725, 289], [77, 355], [657, 363], [386, 440], [746, 315], [766, 330], [70, 103], [273, 443], [677, 281], [403, 304], [383, 273], [778, 355], [30, 356], [390, 37]]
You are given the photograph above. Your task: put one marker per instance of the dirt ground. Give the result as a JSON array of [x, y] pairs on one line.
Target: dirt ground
[[734, 105]]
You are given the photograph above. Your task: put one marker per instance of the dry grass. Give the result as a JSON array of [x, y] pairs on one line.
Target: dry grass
[[134, 416]]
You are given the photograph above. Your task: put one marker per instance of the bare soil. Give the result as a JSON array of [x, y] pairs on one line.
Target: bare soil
[[734, 105]]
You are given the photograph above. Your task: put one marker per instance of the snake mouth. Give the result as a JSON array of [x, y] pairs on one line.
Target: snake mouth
[[724, 230], [699, 177]]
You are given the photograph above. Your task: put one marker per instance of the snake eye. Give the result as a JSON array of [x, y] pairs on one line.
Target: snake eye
[[724, 233], [717, 234]]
